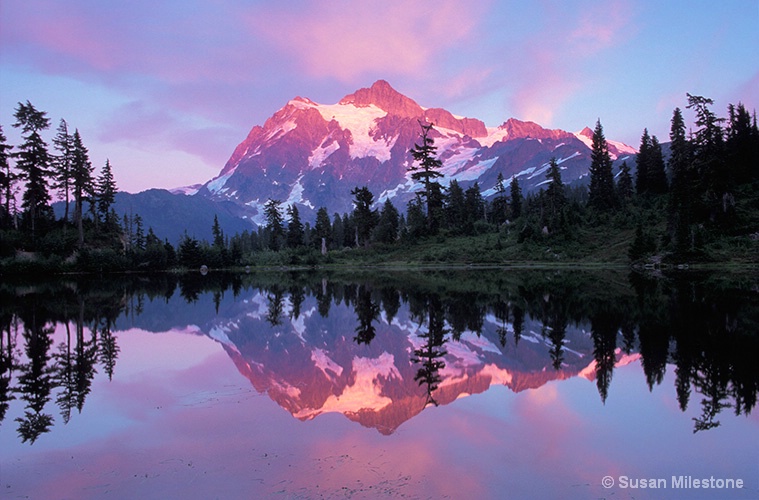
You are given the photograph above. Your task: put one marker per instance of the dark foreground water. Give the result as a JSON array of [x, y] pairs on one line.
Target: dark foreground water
[[437, 384]]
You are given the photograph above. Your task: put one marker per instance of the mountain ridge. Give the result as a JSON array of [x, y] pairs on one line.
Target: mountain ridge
[[313, 155]]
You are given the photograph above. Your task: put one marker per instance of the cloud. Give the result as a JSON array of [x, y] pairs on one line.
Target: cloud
[[558, 59], [150, 127], [347, 40]]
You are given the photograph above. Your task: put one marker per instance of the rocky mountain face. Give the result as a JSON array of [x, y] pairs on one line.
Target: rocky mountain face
[[313, 154]]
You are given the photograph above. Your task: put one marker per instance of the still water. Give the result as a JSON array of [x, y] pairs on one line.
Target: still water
[[434, 384]]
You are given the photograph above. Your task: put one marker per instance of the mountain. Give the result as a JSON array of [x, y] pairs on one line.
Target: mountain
[[313, 154]]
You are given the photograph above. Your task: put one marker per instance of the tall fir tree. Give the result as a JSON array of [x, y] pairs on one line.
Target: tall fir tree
[[555, 198], [657, 176], [681, 192], [363, 215], [642, 160], [295, 231], [106, 191], [274, 224], [427, 170], [455, 207], [625, 184], [713, 181], [601, 195], [7, 179], [499, 208], [81, 171], [515, 204], [64, 143], [33, 163], [322, 227], [387, 225]]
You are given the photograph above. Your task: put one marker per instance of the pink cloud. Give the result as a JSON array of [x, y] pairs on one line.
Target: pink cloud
[[150, 127], [550, 61], [347, 40]]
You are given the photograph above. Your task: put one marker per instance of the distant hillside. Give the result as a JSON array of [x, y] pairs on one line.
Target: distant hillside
[[170, 215]]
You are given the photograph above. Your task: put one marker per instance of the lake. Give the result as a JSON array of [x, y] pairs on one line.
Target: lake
[[448, 383]]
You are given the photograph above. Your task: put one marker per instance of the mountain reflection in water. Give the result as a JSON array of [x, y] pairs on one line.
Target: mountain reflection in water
[[379, 349]]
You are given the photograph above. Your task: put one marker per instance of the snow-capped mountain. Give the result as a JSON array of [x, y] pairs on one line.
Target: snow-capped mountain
[[313, 154]]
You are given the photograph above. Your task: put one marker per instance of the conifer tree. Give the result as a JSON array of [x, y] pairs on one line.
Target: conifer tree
[[500, 205], [713, 181], [81, 172], [323, 227], [625, 183], [455, 207], [657, 177], [516, 198], [427, 171], [274, 224], [475, 205], [7, 177], [601, 193], [64, 143], [387, 226], [33, 162], [106, 190], [217, 233], [642, 160], [295, 230], [555, 199], [363, 216]]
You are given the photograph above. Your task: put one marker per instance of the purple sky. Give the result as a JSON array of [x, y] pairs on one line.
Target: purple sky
[[167, 89]]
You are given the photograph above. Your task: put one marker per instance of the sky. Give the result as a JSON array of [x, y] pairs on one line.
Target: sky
[[166, 90]]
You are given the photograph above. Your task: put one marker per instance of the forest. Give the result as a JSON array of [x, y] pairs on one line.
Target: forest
[[693, 200]]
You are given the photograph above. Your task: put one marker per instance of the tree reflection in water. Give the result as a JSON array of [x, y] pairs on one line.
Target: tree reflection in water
[[705, 325]]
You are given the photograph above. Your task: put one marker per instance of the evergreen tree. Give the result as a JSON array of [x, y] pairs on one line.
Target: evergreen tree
[[274, 224], [7, 177], [363, 216], [455, 208], [323, 228], [657, 177], [33, 162], [139, 233], [516, 198], [427, 171], [189, 252], [387, 226], [680, 196], [500, 205], [81, 170], [64, 143], [601, 193], [742, 144], [338, 232], [295, 230], [555, 198], [106, 190], [475, 205], [643, 161], [217, 233], [625, 183], [713, 181]]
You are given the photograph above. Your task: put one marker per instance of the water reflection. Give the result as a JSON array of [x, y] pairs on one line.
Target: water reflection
[[380, 349]]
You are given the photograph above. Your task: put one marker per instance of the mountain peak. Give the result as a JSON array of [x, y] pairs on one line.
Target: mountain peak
[[385, 97], [518, 129], [586, 132]]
